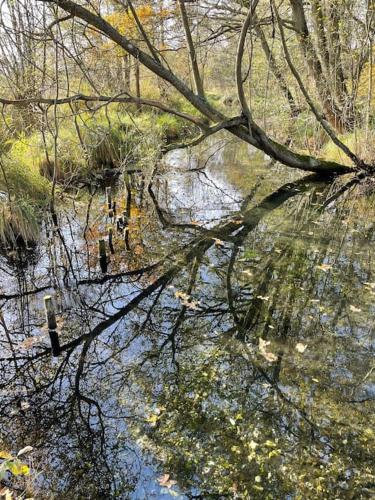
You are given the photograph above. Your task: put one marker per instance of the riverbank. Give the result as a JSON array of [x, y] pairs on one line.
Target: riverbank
[[83, 151]]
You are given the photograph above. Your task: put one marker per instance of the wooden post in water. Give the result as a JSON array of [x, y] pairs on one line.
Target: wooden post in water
[[108, 192], [54, 219], [126, 238], [52, 325], [120, 225], [110, 240], [103, 261], [126, 218], [128, 196]]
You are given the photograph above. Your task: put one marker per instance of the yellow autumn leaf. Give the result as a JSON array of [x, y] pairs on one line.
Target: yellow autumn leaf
[[17, 468], [152, 419]]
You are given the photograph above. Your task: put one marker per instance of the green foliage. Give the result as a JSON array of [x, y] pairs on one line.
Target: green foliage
[[24, 194], [359, 142], [13, 464], [105, 140], [20, 177]]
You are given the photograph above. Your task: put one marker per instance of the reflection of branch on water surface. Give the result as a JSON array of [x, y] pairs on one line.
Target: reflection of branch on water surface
[[246, 221], [241, 314]]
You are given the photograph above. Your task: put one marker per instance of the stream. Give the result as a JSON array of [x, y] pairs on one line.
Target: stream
[[227, 352]]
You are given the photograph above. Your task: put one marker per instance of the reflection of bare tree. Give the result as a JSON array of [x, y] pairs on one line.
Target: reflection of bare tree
[[187, 322]]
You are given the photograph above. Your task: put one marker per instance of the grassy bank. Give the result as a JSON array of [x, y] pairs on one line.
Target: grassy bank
[[82, 151]]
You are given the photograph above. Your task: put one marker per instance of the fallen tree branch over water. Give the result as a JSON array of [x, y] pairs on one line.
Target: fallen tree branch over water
[[252, 134]]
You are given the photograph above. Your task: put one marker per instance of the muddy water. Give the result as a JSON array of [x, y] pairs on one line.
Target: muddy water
[[226, 353]]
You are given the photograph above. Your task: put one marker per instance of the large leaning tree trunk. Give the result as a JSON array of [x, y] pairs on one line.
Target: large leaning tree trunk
[[211, 119]]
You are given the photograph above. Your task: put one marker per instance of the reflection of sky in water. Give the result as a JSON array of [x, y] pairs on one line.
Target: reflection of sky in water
[[192, 194], [337, 352]]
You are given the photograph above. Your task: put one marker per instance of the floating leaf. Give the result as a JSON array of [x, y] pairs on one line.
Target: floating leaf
[[248, 272], [30, 342], [186, 300], [301, 348], [269, 356], [355, 309], [17, 468], [218, 242], [6, 494], [269, 443], [166, 481], [27, 449], [324, 267], [253, 445], [152, 419], [25, 405]]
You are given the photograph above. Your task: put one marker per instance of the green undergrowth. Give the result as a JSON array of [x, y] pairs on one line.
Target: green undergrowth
[[24, 194], [87, 149], [360, 142]]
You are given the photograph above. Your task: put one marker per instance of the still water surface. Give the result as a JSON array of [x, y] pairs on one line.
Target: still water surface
[[227, 353]]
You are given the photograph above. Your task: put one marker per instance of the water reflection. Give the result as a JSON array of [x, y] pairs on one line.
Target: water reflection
[[228, 351]]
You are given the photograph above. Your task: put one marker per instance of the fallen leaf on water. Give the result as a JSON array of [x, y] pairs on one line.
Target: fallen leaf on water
[[166, 481], [324, 267], [301, 347], [17, 468], [27, 449], [253, 445], [269, 356], [30, 342], [355, 309], [152, 420], [248, 272], [236, 221], [186, 300], [218, 242], [6, 493]]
